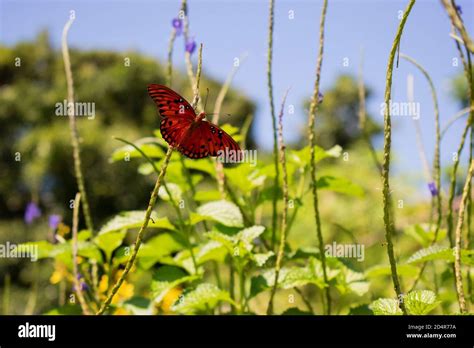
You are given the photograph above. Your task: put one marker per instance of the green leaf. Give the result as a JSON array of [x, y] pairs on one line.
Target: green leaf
[[351, 281], [89, 250], [212, 195], [224, 212], [134, 219], [110, 241], [175, 191], [128, 151], [167, 278], [158, 247], [65, 310], [138, 306], [258, 284], [203, 165], [420, 302], [261, 259], [302, 157], [295, 311], [437, 252], [340, 185], [291, 277], [385, 306], [204, 297], [424, 235], [241, 244], [245, 177]]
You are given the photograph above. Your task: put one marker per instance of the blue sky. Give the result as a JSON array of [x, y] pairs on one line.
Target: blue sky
[[229, 29]]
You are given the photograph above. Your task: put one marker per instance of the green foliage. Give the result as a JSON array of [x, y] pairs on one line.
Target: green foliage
[[223, 212], [437, 252], [203, 298], [418, 302]]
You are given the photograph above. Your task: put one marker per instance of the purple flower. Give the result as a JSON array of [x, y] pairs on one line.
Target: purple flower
[[190, 46], [459, 9], [320, 97], [82, 283], [177, 25], [433, 189], [32, 212], [54, 221]]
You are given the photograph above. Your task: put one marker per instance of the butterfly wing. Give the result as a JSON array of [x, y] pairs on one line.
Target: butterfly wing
[[176, 113], [193, 139], [207, 139]]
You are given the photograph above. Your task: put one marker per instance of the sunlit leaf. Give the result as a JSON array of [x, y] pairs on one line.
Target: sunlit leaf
[[437, 252], [167, 278], [174, 190], [134, 219], [385, 306], [204, 297], [420, 302], [224, 212]]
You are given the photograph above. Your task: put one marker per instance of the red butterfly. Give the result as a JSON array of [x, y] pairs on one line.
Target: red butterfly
[[188, 132]]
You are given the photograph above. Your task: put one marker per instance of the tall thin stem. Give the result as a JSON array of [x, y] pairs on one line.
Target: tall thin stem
[[311, 120], [387, 209], [457, 22], [73, 127], [458, 241], [283, 231], [452, 188], [138, 241], [274, 121], [436, 158], [77, 283]]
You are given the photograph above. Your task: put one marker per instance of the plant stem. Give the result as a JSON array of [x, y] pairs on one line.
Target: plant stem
[[139, 238], [284, 222], [388, 222], [436, 159], [311, 120], [305, 300], [453, 119], [77, 283], [274, 121], [458, 241], [457, 22], [73, 128], [185, 230], [452, 191], [220, 176]]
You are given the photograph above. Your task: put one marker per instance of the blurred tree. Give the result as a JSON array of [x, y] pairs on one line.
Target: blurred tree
[[459, 89], [337, 116], [35, 150]]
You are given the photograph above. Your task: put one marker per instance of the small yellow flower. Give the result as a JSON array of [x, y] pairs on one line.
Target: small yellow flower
[[121, 311], [63, 229], [170, 298], [124, 293], [60, 273]]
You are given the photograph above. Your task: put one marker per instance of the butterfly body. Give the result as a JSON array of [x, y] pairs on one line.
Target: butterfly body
[[187, 131]]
